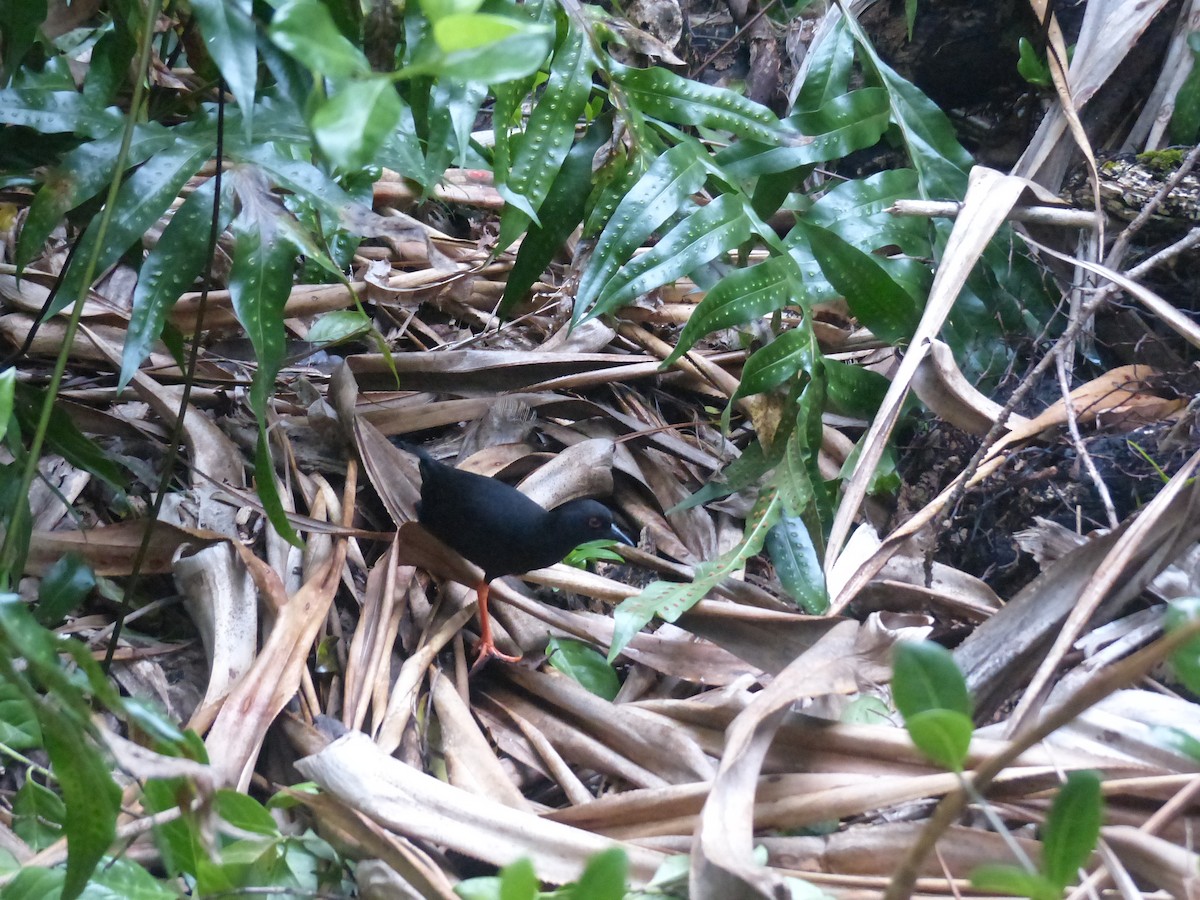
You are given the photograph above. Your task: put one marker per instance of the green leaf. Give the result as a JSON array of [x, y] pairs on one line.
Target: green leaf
[[744, 471], [169, 269], [857, 212], [999, 878], [605, 877], [339, 325], [259, 282], [873, 295], [19, 23], [351, 125], [560, 213], [1185, 120], [126, 879], [583, 663], [485, 887], [846, 123], [80, 175], [591, 551], [306, 30], [829, 68], [470, 31], [57, 112], [1072, 828], [219, 877], [38, 814], [866, 710], [64, 437], [462, 101], [543, 148], [739, 298], [910, 16], [669, 601], [854, 390], [797, 477], [91, 797], [518, 881], [177, 841], [16, 521], [1175, 739], [707, 233], [268, 490], [611, 183], [22, 637], [244, 812], [664, 95], [33, 883], [941, 734], [492, 49], [671, 180], [299, 177], [884, 479], [796, 564], [19, 728], [112, 56], [940, 160], [42, 649], [1031, 66], [440, 9], [63, 588], [506, 113], [229, 32], [8, 381], [925, 677], [1186, 660], [635, 613], [775, 363], [141, 201]]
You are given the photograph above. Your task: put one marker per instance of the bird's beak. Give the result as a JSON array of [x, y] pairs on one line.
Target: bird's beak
[[622, 537]]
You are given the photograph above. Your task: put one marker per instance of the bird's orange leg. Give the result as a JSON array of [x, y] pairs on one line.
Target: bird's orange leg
[[487, 648]]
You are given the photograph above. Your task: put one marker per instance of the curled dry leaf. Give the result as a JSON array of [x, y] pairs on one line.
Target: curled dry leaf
[[941, 385]]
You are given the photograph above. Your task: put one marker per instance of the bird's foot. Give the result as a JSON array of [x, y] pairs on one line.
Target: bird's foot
[[486, 650]]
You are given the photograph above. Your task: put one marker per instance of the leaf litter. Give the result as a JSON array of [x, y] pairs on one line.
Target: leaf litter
[[734, 725]]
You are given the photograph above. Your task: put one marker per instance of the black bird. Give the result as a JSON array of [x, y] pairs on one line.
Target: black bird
[[502, 531]]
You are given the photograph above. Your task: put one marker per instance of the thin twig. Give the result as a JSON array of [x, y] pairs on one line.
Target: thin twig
[[1061, 216], [1080, 447]]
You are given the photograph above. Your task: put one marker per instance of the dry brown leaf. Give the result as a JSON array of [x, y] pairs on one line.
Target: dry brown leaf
[[219, 595], [111, 549], [239, 728], [471, 763], [1168, 866], [351, 829], [1120, 398], [941, 385], [643, 737], [1160, 533], [419, 806], [722, 864]]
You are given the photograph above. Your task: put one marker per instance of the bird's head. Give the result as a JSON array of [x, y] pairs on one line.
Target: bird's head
[[587, 520]]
